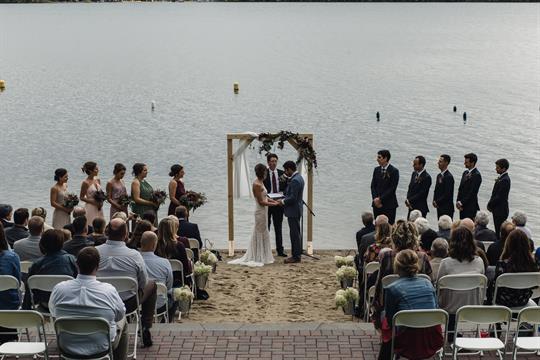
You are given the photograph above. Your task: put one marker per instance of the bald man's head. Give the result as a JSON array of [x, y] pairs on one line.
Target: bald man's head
[[117, 230], [148, 241], [381, 219]]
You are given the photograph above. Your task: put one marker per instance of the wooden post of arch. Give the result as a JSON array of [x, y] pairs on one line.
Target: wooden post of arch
[[230, 190]]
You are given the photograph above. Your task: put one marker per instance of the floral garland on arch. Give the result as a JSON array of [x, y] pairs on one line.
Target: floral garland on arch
[[305, 150]]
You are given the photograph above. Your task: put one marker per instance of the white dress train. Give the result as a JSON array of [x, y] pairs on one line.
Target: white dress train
[[259, 251]]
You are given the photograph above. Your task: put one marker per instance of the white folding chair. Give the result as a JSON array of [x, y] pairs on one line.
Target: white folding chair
[[369, 269], [67, 328], [24, 319], [482, 315], [44, 283], [529, 315], [190, 254], [25, 266], [193, 243], [419, 319], [124, 284], [517, 281], [177, 266], [8, 282], [162, 292]]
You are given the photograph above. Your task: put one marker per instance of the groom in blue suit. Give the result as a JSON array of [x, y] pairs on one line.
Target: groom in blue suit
[[293, 209]]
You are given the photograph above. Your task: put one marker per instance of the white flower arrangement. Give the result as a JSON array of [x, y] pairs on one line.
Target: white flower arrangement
[[340, 299], [346, 273], [351, 294], [182, 294], [209, 258], [347, 296], [344, 260], [201, 269]]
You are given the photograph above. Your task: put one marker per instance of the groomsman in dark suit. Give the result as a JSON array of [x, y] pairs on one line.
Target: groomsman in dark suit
[[418, 187], [443, 197], [384, 183], [498, 204], [274, 183], [467, 198], [293, 209]]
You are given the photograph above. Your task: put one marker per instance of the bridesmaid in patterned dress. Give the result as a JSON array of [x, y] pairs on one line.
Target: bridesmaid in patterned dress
[[116, 188], [61, 214], [176, 187], [89, 187]]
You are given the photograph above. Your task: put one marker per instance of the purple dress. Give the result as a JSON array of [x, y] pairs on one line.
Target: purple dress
[[118, 190], [180, 190]]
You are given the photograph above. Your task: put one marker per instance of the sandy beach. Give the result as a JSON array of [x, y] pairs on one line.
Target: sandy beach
[[273, 293]]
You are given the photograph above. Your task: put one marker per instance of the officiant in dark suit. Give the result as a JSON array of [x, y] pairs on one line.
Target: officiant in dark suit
[[384, 183], [418, 187], [293, 208], [275, 183], [443, 197], [467, 198], [498, 203]]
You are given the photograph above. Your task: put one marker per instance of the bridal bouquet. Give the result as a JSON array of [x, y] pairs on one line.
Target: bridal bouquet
[[124, 200], [192, 200], [71, 200], [100, 196], [159, 196], [344, 260]]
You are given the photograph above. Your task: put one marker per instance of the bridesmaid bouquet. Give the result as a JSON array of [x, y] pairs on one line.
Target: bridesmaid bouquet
[[192, 200], [100, 196], [124, 200], [71, 200], [159, 196]]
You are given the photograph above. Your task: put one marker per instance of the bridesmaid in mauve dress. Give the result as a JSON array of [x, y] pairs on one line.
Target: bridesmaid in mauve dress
[[176, 187], [116, 188], [61, 214], [142, 191], [89, 187]]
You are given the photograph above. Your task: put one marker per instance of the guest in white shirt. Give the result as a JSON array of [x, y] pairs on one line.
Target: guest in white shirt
[[28, 248], [159, 270], [85, 296]]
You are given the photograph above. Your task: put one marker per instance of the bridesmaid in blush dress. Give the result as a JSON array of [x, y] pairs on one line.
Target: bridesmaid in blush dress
[[89, 187], [116, 188], [61, 214], [176, 187]]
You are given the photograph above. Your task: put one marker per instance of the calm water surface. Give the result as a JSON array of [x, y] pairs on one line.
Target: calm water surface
[[81, 77]]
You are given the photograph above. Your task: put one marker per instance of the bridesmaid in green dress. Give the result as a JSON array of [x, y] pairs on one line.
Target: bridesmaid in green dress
[[141, 191]]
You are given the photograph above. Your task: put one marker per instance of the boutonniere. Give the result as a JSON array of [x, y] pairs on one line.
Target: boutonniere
[[386, 175], [497, 179], [440, 180], [468, 176], [418, 179]]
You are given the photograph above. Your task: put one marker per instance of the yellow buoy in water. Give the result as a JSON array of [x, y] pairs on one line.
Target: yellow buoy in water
[[2, 84], [236, 87]]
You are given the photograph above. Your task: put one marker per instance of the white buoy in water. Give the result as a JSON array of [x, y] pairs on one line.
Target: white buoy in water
[[236, 87], [153, 105]]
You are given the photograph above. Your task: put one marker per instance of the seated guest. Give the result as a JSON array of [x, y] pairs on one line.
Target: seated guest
[[116, 259], [169, 247], [369, 239], [28, 248], [141, 227], [67, 235], [415, 214], [186, 228], [520, 220], [409, 292], [98, 236], [383, 240], [159, 269], [79, 239], [87, 297], [481, 231], [55, 261], [18, 231], [150, 216], [41, 212], [367, 221], [469, 224], [445, 227], [427, 235], [462, 259], [404, 236], [516, 258], [77, 212], [6, 211], [9, 299], [439, 251], [495, 250]]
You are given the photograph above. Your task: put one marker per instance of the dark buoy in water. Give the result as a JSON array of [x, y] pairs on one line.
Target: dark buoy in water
[[378, 116], [455, 108], [464, 116], [153, 105]]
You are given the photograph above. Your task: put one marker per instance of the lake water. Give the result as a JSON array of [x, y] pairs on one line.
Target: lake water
[[80, 79]]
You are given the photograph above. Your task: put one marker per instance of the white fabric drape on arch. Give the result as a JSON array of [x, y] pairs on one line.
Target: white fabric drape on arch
[[241, 173]]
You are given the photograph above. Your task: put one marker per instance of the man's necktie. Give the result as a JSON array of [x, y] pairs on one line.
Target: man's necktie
[[274, 182]]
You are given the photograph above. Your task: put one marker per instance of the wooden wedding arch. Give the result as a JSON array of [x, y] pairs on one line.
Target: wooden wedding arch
[[230, 188]]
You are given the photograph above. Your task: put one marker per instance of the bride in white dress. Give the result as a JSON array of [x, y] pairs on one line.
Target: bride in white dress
[[259, 251]]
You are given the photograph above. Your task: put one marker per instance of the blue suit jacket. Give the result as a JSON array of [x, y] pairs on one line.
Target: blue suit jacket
[[293, 197]]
